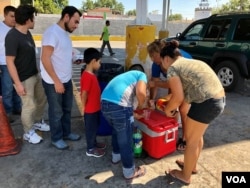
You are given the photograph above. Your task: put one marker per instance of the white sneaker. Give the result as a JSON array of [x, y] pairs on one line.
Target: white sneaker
[[32, 137], [41, 126]]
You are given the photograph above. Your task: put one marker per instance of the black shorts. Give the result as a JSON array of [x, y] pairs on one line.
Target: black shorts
[[207, 111]]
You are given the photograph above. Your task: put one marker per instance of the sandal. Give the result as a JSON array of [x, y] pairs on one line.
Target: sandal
[[181, 166], [181, 145], [172, 174], [139, 172]]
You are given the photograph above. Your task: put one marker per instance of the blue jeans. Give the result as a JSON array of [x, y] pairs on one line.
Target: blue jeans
[[59, 111], [11, 100], [122, 121], [91, 122]]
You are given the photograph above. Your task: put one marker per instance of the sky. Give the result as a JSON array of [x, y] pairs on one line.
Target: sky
[[183, 7]]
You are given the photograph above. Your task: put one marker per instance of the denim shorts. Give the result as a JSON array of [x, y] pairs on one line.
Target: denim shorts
[[208, 110]]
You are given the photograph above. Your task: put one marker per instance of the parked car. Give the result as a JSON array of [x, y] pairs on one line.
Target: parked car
[[223, 42]]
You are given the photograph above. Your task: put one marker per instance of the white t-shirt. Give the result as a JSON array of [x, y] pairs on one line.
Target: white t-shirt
[[61, 58], [4, 29]]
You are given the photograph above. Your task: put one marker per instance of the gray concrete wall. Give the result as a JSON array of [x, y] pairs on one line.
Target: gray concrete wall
[[94, 26]]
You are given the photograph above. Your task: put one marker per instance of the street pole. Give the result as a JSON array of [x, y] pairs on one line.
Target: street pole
[[163, 33], [163, 21]]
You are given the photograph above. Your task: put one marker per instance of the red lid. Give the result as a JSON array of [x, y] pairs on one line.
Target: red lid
[[157, 121]]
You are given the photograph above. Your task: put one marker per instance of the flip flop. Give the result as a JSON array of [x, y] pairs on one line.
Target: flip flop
[[181, 145], [181, 166], [174, 178], [139, 172]]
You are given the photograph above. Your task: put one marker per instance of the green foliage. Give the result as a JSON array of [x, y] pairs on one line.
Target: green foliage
[[120, 7], [233, 6], [88, 5], [131, 13], [47, 6], [26, 2], [175, 17], [112, 4]]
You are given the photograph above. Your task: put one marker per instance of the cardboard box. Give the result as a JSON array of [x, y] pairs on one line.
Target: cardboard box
[[159, 134]]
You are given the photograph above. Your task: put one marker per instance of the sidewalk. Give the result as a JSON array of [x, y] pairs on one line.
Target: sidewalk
[[226, 148], [95, 44]]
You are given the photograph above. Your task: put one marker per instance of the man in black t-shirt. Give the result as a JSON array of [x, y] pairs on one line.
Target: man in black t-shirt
[[21, 62]]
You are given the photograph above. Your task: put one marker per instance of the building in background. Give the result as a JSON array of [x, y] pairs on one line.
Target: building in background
[[4, 3], [101, 13], [203, 11]]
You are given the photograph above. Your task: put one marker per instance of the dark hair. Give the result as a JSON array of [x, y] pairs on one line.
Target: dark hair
[[23, 13], [70, 10], [107, 22], [171, 49], [90, 54], [8, 9]]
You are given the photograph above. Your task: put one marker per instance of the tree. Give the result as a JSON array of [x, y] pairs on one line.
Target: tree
[[47, 6], [88, 5], [175, 17], [112, 4], [26, 2], [233, 6], [131, 13], [120, 7]]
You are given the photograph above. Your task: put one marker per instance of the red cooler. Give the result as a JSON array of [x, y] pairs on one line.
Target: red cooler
[[159, 134]]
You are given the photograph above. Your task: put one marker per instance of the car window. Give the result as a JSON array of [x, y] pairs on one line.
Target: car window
[[217, 30], [224, 29], [242, 31], [194, 32]]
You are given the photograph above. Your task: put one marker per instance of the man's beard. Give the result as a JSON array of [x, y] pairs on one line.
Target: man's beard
[[67, 28]]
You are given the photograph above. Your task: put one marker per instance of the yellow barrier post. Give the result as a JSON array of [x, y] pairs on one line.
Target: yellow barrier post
[[163, 34], [137, 39]]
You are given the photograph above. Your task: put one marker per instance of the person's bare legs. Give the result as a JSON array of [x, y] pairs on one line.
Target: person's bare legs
[[200, 148], [194, 140], [184, 108]]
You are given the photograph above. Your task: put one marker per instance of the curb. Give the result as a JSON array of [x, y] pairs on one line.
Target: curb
[[38, 37]]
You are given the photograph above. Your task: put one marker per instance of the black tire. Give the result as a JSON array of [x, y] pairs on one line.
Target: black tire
[[229, 75], [136, 67]]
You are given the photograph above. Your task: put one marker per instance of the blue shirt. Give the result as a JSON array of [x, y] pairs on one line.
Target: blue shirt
[[156, 70], [121, 89]]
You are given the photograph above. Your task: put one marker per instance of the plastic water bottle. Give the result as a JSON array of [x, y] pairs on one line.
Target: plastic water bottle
[[137, 137]]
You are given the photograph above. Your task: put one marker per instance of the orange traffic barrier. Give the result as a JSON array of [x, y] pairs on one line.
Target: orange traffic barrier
[[8, 144]]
